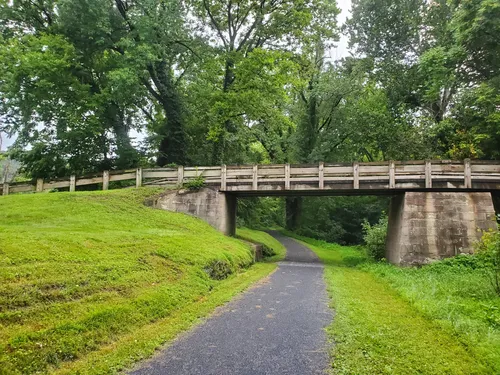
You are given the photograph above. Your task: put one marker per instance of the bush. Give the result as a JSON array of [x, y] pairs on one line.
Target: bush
[[195, 184], [375, 237], [459, 263], [488, 250], [218, 269]]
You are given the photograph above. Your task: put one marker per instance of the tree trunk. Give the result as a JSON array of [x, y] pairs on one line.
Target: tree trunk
[[293, 208], [219, 146], [126, 153], [173, 146]]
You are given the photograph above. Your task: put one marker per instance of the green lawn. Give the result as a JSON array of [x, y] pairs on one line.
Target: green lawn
[[91, 282], [438, 319], [273, 249]]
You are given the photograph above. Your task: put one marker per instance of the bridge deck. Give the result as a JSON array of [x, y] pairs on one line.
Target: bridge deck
[[286, 179]]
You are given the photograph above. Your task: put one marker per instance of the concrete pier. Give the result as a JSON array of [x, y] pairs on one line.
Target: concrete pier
[[216, 208], [424, 227]]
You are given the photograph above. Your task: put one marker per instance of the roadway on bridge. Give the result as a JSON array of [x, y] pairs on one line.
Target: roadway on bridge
[[277, 327]]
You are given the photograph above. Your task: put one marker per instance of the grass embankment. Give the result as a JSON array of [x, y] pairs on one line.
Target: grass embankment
[[273, 250], [91, 282], [438, 319]]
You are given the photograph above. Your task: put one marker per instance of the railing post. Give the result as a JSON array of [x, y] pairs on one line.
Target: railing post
[[392, 175], [255, 182], [105, 180], [5, 188], [321, 175], [287, 176], [72, 183], [467, 174], [355, 173], [428, 174], [180, 175], [138, 177], [39, 185], [223, 181]]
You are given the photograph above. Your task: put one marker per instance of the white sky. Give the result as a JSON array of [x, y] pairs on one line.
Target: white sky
[[340, 51]]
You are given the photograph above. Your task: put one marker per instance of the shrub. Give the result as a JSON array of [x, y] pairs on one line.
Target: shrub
[[375, 236], [267, 251], [459, 263], [218, 269], [195, 184], [488, 250]]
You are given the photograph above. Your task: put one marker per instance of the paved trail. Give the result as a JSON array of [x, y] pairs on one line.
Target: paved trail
[[274, 328]]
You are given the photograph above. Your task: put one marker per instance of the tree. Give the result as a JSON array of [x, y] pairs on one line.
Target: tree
[[477, 25], [413, 50], [247, 36], [118, 74]]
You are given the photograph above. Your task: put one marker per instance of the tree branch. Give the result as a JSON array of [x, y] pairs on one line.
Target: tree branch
[[147, 114], [214, 22], [152, 90]]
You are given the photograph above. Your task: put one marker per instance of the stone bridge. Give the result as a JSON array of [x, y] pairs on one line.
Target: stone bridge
[[438, 209]]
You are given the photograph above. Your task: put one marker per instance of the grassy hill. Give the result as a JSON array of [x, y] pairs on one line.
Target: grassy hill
[[91, 282]]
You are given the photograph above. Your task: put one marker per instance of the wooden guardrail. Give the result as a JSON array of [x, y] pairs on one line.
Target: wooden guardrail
[[436, 174]]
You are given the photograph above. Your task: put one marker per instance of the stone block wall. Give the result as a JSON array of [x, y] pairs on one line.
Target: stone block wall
[[429, 226]]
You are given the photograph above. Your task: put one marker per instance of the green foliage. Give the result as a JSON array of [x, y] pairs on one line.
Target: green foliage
[[339, 219], [375, 237], [489, 252], [476, 24], [473, 130], [261, 213], [252, 86], [80, 272], [437, 319], [195, 183]]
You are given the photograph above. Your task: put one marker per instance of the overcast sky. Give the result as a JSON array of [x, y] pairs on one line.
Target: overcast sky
[[341, 50], [336, 53]]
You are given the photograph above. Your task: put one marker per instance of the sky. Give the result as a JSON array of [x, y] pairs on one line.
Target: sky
[[340, 51]]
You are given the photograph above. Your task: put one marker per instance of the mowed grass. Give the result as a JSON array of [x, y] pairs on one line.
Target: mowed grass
[[91, 282], [273, 249], [389, 320]]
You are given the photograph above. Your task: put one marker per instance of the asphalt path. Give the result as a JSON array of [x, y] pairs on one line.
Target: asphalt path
[[276, 327]]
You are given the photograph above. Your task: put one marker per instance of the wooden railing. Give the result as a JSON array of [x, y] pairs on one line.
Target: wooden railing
[[436, 174]]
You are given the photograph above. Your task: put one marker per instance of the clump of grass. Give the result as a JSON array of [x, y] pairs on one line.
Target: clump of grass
[[272, 249], [219, 269], [83, 272], [442, 318]]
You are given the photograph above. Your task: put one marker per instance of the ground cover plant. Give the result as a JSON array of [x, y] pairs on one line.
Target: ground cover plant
[[437, 319], [273, 250], [92, 281]]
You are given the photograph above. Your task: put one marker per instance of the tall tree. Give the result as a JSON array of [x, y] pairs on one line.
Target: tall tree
[[251, 33], [117, 72]]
